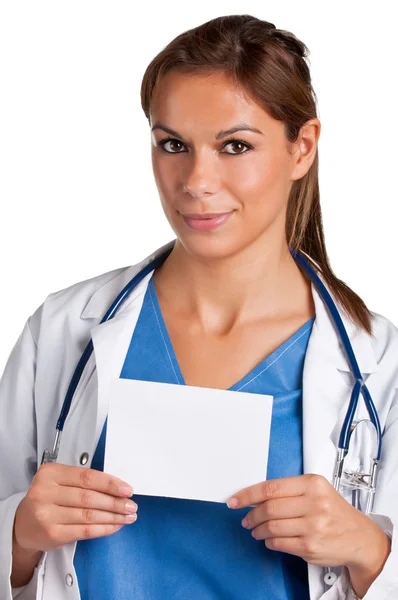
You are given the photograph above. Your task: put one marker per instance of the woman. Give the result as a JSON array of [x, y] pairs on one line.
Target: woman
[[234, 150]]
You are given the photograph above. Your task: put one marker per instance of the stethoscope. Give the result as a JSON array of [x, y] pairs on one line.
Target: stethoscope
[[357, 480]]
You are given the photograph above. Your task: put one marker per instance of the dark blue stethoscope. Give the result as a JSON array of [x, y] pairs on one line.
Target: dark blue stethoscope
[[355, 480]]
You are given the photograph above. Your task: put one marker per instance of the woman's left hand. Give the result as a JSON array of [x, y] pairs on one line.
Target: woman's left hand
[[306, 516]]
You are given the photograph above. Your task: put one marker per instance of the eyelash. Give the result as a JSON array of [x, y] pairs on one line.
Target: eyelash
[[232, 139]]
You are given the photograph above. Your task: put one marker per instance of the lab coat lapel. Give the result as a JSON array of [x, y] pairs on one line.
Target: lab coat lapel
[[111, 341], [325, 394]]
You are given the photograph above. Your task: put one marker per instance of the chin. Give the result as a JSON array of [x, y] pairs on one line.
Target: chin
[[207, 245]]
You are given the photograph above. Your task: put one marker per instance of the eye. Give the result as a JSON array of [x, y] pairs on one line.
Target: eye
[[237, 142], [232, 141], [165, 141]]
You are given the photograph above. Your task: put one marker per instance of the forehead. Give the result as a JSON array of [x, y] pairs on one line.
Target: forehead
[[205, 101]]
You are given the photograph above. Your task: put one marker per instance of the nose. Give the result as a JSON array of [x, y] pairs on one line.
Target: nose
[[202, 175]]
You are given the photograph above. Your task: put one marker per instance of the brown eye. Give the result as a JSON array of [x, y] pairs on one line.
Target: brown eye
[[163, 143], [239, 144]]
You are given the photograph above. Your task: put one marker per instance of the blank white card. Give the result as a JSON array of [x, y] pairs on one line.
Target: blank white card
[[184, 441]]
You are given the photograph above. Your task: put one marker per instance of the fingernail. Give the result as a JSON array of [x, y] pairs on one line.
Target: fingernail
[[130, 507], [245, 522], [232, 502], [126, 490], [130, 518]]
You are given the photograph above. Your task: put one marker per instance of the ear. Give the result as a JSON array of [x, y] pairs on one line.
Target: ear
[[305, 148]]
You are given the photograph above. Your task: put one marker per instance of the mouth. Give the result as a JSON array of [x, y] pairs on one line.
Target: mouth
[[206, 221], [204, 215]]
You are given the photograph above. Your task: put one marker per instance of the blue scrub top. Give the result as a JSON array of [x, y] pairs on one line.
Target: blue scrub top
[[178, 548]]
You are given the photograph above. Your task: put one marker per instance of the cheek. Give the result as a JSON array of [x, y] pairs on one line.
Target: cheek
[[166, 177], [259, 183]]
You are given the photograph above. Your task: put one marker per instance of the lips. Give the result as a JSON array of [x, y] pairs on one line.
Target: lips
[[206, 222], [205, 215]]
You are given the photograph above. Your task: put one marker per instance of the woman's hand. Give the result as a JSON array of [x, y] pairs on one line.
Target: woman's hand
[[65, 504], [306, 516]]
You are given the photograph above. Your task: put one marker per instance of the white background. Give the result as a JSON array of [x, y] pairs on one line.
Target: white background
[[76, 186]]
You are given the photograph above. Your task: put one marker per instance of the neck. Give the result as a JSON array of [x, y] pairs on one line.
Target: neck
[[259, 282]]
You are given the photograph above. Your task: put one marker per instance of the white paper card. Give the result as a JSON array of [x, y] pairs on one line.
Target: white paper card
[[184, 441]]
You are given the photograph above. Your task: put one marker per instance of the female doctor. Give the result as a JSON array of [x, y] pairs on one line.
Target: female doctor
[[234, 149]]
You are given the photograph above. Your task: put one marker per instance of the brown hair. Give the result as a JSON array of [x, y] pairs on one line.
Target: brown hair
[[270, 64]]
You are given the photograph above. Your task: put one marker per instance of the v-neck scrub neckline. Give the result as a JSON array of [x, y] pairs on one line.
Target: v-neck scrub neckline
[[240, 385]]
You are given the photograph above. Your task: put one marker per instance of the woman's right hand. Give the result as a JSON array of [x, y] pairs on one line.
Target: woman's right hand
[[66, 504]]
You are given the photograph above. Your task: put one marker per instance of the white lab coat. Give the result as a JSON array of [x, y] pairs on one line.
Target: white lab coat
[[38, 372]]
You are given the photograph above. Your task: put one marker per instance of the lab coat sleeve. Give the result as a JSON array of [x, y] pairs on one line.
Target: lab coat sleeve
[[18, 453]]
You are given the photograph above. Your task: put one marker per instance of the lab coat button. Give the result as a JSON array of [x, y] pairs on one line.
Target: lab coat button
[[84, 458], [69, 580], [330, 578]]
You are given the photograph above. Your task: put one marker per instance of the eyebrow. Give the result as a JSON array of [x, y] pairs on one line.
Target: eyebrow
[[220, 134]]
